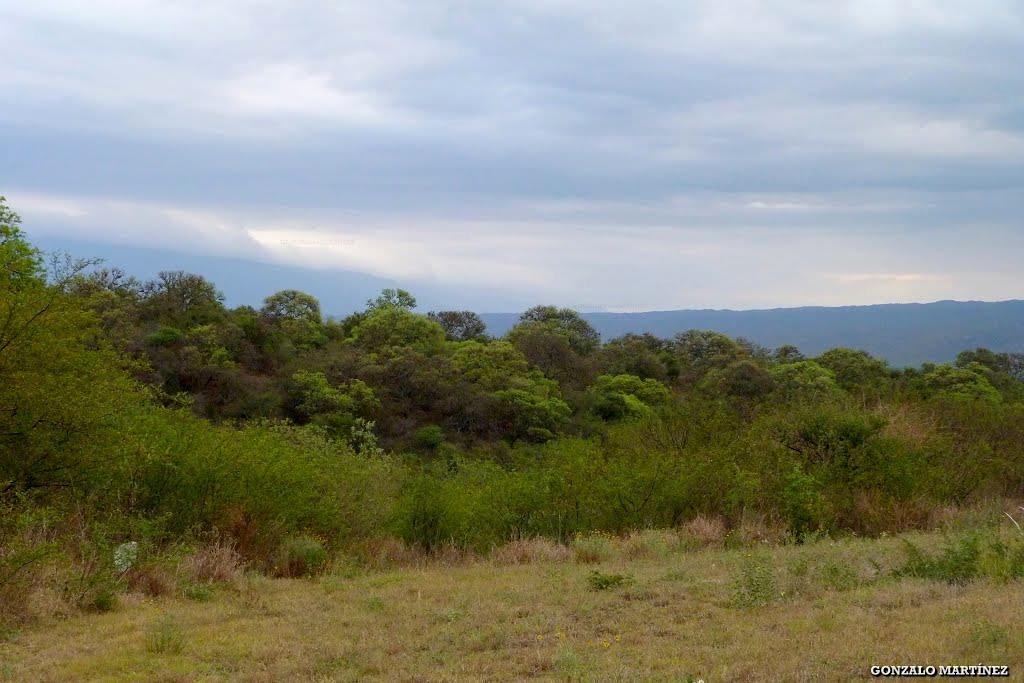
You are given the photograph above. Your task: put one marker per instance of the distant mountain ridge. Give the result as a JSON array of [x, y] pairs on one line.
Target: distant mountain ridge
[[903, 334]]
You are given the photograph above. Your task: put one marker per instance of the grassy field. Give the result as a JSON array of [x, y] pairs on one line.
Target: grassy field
[[640, 609]]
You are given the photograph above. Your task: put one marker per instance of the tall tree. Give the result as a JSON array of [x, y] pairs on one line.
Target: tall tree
[[392, 298], [459, 325]]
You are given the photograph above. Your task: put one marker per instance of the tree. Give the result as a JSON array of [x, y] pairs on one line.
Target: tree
[[552, 352], [22, 263], [392, 327], [459, 325], [492, 366], [391, 298], [643, 355], [787, 353], [333, 407], [1009, 364], [61, 388], [743, 379], [582, 337], [297, 315], [182, 300], [699, 351], [965, 383], [625, 396], [856, 371], [528, 415], [803, 381]]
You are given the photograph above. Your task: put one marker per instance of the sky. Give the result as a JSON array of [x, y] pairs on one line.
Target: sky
[[612, 155]]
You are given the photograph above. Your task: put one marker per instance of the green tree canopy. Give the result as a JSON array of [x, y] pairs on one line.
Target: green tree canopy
[[582, 337], [391, 327], [459, 325], [297, 315], [391, 298]]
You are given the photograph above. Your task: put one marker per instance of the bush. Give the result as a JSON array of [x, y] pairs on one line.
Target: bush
[[301, 556], [600, 581], [199, 592], [755, 583], [428, 437], [104, 599]]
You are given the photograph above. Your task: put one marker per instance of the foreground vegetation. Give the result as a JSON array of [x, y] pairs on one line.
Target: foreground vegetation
[[154, 442], [653, 606]]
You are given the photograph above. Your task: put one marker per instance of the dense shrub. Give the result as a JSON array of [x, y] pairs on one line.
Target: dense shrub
[[300, 556]]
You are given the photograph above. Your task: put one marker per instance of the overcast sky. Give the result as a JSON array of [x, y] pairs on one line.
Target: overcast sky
[[619, 155]]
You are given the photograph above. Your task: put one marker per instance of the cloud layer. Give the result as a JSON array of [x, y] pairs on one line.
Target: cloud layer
[[597, 154]]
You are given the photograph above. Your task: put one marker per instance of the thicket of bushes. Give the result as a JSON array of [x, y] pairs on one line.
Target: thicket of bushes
[[150, 419]]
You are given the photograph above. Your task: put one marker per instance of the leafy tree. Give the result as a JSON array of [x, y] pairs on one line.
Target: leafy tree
[[23, 263], [459, 325], [743, 379], [60, 385], [529, 415], [391, 298], [333, 407], [967, 383], [582, 337], [297, 315], [391, 327], [1005, 371], [491, 365], [787, 353], [803, 381], [699, 351], [643, 355], [551, 352], [856, 371], [115, 297], [624, 396], [182, 300]]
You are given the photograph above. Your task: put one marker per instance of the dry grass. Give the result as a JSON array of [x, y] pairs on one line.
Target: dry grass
[[530, 551], [704, 531], [828, 612], [217, 563]]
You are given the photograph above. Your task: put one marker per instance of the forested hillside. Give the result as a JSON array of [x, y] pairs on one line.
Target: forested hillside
[[141, 421]]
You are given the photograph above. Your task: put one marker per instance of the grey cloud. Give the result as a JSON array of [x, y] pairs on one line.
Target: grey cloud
[[606, 122]]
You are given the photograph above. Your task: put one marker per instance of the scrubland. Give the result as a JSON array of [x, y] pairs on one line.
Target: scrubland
[[189, 491]]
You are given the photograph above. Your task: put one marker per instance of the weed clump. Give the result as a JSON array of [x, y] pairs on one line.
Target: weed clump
[[165, 636], [838, 576], [601, 581], [965, 559], [755, 583]]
